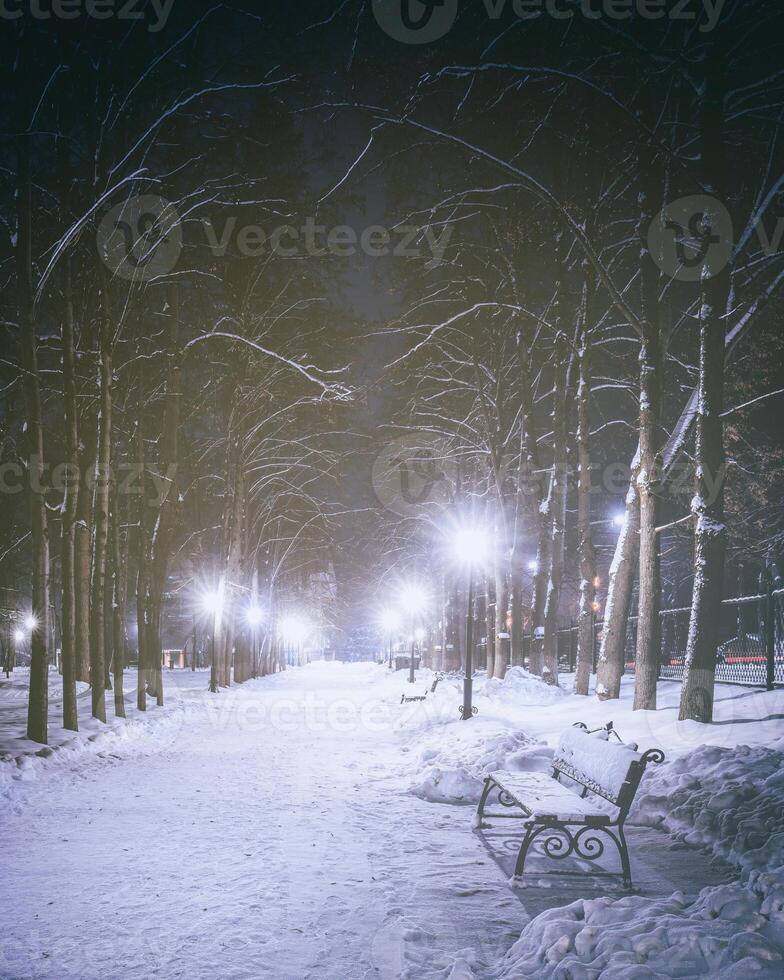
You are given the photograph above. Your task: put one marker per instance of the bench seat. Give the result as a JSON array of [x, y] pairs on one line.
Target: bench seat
[[544, 798]]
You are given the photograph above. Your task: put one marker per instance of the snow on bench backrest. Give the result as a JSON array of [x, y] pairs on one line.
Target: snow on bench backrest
[[602, 766]]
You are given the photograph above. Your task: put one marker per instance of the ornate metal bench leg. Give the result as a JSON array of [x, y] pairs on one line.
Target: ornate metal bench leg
[[480, 812], [624, 851], [520, 864]]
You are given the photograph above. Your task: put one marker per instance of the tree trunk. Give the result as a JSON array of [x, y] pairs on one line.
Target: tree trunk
[[556, 505], [648, 624], [585, 548], [88, 436], [648, 478], [70, 501], [501, 605], [82, 540], [531, 471], [38, 702], [101, 515], [516, 643], [490, 601], [710, 533], [119, 590], [162, 532], [142, 565], [9, 660], [609, 669]]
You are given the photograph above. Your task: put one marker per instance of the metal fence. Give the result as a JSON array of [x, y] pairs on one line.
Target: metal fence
[[750, 650]]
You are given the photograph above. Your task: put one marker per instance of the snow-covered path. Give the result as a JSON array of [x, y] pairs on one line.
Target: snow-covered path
[[266, 838], [271, 831]]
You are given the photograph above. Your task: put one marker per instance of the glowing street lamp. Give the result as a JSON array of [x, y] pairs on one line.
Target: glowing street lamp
[[413, 599], [254, 616], [19, 636], [31, 623], [470, 548], [619, 519]]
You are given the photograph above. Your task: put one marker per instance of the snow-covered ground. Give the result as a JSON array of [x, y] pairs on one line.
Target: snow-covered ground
[[304, 825]]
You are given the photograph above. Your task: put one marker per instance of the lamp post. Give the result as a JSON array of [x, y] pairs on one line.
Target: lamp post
[[469, 548]]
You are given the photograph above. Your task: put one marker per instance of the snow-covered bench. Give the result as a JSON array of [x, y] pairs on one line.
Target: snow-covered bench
[[605, 776]]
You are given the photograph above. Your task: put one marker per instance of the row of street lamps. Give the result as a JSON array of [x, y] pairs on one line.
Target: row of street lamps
[[469, 546], [292, 629]]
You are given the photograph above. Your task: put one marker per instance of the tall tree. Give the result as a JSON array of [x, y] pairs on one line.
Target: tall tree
[[710, 533], [38, 704], [103, 478], [585, 547]]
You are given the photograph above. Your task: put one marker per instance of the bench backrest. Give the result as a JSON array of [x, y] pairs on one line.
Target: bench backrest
[[611, 770]]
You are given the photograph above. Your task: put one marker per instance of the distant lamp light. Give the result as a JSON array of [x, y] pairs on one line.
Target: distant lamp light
[[212, 603], [253, 615], [597, 582], [533, 566], [390, 621], [619, 519], [19, 636], [596, 606], [293, 629], [31, 623], [413, 599], [469, 545]]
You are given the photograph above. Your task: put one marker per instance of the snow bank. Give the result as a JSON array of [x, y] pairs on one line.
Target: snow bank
[[447, 775], [730, 801], [732, 932], [454, 757], [521, 689], [156, 730]]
